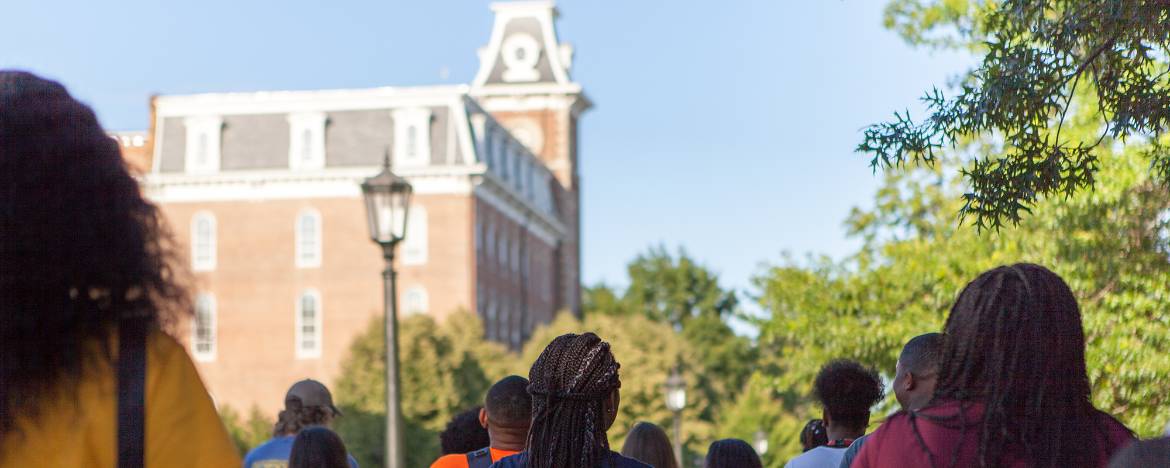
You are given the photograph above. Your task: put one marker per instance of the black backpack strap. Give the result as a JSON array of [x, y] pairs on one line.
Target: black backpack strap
[[481, 458], [131, 393]]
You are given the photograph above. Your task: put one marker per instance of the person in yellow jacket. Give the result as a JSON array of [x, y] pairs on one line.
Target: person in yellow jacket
[[81, 253]]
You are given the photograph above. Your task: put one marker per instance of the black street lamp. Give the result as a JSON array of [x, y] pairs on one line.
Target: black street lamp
[[387, 199], [676, 400]]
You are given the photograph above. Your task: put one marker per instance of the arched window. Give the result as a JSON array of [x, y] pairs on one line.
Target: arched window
[[503, 250], [308, 323], [414, 246], [415, 301], [203, 332], [308, 239], [489, 322], [490, 241], [203, 241]]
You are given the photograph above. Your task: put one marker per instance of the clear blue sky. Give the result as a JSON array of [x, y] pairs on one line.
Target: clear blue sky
[[724, 127]]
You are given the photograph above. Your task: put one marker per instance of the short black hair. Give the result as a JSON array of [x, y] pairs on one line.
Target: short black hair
[[508, 402], [922, 353], [848, 390], [732, 453], [464, 433]]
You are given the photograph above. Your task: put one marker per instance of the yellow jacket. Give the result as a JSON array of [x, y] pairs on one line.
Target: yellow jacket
[[182, 426]]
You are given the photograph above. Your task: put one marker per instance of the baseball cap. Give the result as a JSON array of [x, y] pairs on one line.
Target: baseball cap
[[311, 393]]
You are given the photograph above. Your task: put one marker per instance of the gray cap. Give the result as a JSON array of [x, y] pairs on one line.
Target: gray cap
[[311, 393]]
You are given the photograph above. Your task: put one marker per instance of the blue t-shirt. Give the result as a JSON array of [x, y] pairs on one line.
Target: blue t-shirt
[[615, 460], [274, 454]]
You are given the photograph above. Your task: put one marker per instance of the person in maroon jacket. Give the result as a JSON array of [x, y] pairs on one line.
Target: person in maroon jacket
[[1012, 389]]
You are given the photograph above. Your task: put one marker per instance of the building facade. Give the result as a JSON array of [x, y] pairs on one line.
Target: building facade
[[261, 191]]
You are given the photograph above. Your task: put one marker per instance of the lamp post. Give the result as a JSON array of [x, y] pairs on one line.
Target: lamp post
[[387, 198], [676, 400]]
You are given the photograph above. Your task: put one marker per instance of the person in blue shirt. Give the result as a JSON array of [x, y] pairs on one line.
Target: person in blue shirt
[[307, 404], [574, 387]]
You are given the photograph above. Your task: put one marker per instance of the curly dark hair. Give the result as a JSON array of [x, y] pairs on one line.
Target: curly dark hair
[[848, 390], [464, 433], [296, 416], [80, 248], [571, 385]]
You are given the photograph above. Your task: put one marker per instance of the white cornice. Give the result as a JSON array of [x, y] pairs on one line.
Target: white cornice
[[282, 102], [285, 184]]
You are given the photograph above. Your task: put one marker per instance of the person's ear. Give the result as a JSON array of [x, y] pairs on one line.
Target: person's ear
[[825, 419], [909, 382], [483, 419]]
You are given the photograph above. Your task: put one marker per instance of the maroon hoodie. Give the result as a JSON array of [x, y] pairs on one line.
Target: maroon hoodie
[[894, 444]]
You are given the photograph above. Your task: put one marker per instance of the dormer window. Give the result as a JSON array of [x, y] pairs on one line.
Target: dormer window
[[203, 149], [412, 137], [306, 148]]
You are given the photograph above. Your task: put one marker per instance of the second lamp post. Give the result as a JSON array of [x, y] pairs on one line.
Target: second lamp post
[[387, 198], [676, 400]]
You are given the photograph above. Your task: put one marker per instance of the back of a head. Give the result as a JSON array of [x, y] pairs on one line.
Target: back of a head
[[649, 444], [464, 434], [80, 248], [508, 403], [1015, 344], [848, 390], [732, 453], [318, 447], [922, 353], [570, 383], [1153, 453]]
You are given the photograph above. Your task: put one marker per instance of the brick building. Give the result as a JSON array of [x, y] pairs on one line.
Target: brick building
[[261, 188]]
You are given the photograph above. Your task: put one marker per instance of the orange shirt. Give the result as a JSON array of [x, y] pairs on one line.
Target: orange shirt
[[459, 460], [182, 426]]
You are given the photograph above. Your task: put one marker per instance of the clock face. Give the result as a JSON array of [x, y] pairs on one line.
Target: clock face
[[520, 53], [528, 132]]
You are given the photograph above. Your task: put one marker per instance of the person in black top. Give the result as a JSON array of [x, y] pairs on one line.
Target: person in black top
[[574, 387], [464, 433]]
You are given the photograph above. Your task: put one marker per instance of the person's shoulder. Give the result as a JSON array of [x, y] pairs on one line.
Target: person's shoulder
[[517, 460], [452, 460], [622, 461], [266, 449]]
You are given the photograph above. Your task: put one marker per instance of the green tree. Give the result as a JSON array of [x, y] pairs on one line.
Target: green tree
[[1040, 58], [914, 260], [444, 369], [248, 434], [678, 291]]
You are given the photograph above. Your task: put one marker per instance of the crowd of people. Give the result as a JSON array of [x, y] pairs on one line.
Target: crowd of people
[[88, 377]]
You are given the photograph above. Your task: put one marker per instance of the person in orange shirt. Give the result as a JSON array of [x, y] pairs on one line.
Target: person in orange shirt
[[89, 376], [507, 414]]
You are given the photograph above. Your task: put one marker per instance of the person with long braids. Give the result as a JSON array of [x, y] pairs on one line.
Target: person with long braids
[[89, 376], [574, 386], [1012, 389]]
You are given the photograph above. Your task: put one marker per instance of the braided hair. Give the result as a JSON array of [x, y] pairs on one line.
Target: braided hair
[[1014, 343], [571, 385]]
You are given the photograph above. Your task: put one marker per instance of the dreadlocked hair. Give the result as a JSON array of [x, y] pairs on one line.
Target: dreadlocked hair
[[570, 383], [1014, 343]]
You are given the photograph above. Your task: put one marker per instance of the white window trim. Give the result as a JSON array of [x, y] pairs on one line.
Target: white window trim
[[301, 352], [425, 301], [212, 127], [420, 119], [298, 124], [415, 245], [213, 319], [299, 250], [208, 264]]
